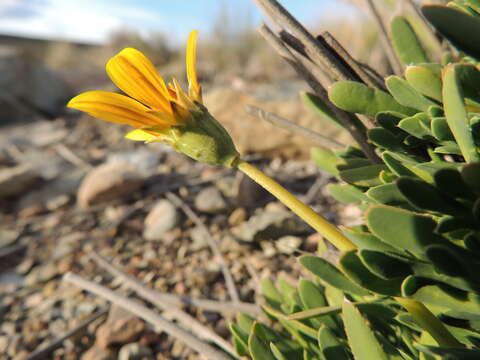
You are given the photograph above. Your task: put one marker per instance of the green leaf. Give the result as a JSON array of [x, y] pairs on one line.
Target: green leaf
[[402, 229], [418, 126], [396, 166], [405, 42], [450, 148], [312, 297], [320, 108], [426, 196], [406, 95], [440, 129], [330, 274], [457, 115], [471, 175], [331, 348], [358, 98], [362, 340], [425, 80], [271, 294], [460, 35], [240, 338], [259, 349], [325, 160], [365, 240], [276, 352], [449, 353], [245, 322], [389, 121], [363, 176], [384, 265], [385, 139], [346, 194], [359, 273], [388, 194], [461, 302]]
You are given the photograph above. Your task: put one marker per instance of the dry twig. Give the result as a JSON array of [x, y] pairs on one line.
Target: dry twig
[[317, 52], [158, 321], [43, 351], [342, 116], [232, 290], [387, 45], [293, 128], [184, 318]]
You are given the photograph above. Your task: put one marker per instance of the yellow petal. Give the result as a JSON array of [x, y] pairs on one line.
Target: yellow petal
[[135, 75], [181, 96], [191, 56], [140, 135], [115, 108]]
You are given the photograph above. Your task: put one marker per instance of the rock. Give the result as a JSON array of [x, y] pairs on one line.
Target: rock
[[16, 180], [269, 224], [67, 244], [210, 200], [238, 216], [28, 84], [4, 341], [135, 351], [98, 353], [7, 237], [199, 242], [143, 160], [288, 244], [107, 182], [250, 194], [121, 327], [162, 218], [41, 273]]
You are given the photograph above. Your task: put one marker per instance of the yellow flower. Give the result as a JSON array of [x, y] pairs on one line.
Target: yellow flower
[[160, 112]]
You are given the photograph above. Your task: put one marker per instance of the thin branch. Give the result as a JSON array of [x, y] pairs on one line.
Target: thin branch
[[44, 351], [184, 318], [342, 116], [313, 48], [391, 56], [158, 321], [73, 158], [293, 128], [232, 290], [356, 67]]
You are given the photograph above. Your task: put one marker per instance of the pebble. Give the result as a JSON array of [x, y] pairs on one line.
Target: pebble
[[121, 327], [162, 218], [15, 180], [107, 182], [210, 200], [135, 351], [288, 244], [238, 216]]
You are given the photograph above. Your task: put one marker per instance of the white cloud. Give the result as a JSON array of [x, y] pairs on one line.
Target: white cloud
[[81, 20]]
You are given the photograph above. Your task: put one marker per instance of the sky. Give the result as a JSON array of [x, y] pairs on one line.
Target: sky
[[92, 21]]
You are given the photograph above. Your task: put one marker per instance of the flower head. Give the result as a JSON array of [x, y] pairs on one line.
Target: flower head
[[160, 112]]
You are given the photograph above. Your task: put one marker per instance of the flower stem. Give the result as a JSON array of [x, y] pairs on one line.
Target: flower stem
[[429, 322], [326, 229]]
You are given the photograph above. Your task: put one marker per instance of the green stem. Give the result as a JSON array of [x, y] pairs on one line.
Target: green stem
[[326, 229], [429, 322]]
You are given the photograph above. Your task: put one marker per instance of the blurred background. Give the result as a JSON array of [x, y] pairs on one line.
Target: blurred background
[[70, 184]]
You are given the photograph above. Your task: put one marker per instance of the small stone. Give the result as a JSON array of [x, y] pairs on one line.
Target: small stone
[[16, 180], [162, 218], [4, 341], [98, 353], [267, 225], [268, 248], [199, 241], [107, 182], [210, 200], [135, 351], [121, 327], [288, 244], [238, 216], [41, 274]]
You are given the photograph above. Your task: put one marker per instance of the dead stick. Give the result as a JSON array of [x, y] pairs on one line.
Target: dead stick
[[357, 133], [158, 321], [223, 307], [387, 45], [184, 318], [44, 351], [359, 70], [232, 290], [313, 48], [293, 128]]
